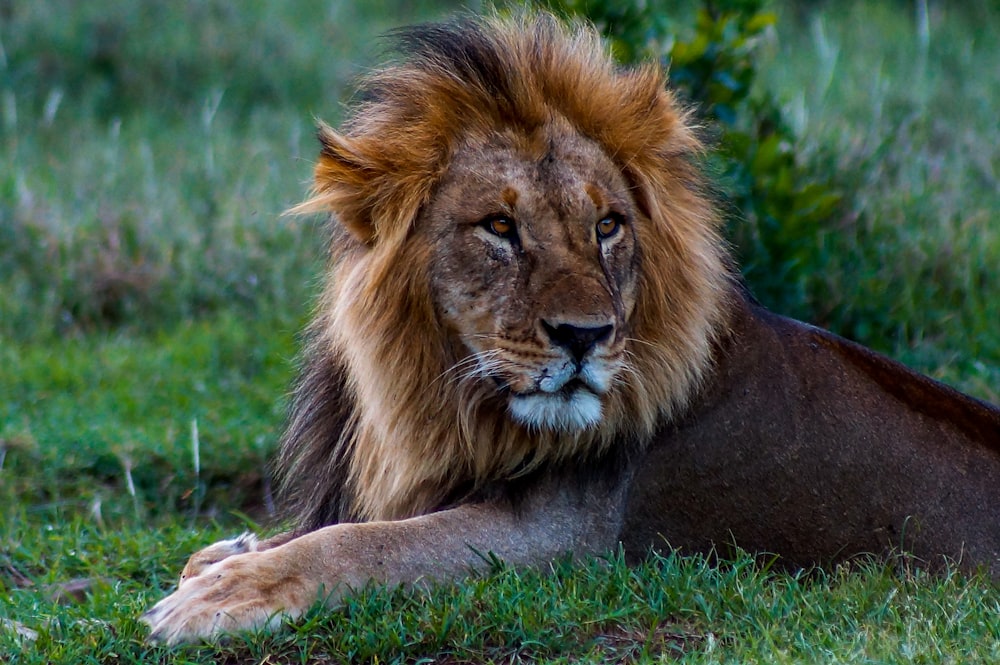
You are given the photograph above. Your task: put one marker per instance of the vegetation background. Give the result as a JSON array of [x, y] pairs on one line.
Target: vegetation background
[[151, 293]]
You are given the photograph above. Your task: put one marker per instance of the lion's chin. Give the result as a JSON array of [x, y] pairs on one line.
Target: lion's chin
[[561, 411]]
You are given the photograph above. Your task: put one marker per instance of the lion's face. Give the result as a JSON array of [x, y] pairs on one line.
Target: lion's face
[[533, 271]]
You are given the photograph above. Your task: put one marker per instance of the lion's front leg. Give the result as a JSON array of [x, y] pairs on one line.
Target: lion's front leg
[[255, 588]]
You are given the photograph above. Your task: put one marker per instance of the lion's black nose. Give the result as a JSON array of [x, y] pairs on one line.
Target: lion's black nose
[[578, 340]]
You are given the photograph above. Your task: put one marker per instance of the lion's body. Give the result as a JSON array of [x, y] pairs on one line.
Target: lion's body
[[531, 342], [809, 446]]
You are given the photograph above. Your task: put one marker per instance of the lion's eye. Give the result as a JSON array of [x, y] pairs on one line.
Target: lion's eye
[[501, 226], [608, 226]]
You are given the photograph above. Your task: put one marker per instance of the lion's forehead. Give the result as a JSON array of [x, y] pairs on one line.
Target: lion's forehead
[[571, 177]]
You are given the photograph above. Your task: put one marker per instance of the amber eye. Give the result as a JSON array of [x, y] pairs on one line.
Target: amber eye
[[500, 226], [608, 226]]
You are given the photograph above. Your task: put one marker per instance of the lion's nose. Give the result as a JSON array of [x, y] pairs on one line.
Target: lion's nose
[[578, 340]]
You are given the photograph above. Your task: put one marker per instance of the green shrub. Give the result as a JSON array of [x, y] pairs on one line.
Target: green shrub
[[902, 106]]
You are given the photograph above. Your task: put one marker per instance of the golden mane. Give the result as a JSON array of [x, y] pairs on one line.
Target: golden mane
[[380, 425]]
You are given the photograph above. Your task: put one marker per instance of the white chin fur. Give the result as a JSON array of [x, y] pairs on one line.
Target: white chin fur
[[557, 411]]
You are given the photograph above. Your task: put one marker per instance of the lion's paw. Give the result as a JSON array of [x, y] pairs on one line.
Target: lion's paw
[[234, 594], [216, 552]]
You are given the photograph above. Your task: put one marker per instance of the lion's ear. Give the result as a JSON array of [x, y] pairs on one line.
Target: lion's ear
[[343, 183]]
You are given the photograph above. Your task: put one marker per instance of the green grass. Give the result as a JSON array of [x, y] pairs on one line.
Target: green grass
[[147, 151], [147, 283], [670, 608], [82, 416]]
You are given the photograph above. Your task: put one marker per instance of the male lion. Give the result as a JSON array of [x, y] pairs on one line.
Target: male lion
[[532, 342]]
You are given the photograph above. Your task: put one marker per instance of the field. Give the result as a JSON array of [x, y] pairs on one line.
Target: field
[[151, 295]]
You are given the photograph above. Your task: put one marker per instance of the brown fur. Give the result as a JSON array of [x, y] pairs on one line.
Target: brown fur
[[422, 424]]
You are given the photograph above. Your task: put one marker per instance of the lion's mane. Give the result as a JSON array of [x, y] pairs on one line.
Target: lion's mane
[[380, 427]]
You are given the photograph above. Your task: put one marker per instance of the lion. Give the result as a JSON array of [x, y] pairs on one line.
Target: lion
[[533, 341]]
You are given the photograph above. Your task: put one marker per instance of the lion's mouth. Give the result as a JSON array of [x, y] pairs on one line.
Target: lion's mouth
[[566, 397], [574, 406], [567, 390], [571, 387]]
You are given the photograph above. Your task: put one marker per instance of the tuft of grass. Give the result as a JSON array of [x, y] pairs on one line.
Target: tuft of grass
[[103, 423], [139, 224]]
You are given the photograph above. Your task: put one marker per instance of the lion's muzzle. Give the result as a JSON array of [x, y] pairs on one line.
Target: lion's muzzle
[[578, 340]]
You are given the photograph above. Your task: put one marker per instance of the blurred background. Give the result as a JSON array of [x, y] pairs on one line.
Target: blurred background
[[151, 292]]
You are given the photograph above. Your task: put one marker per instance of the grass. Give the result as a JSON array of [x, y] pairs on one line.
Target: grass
[[148, 152], [87, 418], [148, 286], [673, 608]]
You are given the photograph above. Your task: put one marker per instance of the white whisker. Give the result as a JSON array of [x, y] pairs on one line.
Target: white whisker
[[477, 365], [626, 375], [643, 341]]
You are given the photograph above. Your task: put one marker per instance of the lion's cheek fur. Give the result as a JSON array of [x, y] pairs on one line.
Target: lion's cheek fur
[[418, 436]]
